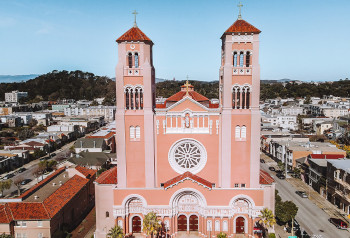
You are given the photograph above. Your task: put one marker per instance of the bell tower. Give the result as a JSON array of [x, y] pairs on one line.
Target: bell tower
[[239, 82], [135, 89]]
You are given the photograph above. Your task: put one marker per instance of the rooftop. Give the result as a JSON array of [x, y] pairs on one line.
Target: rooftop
[[341, 164], [108, 177], [134, 34]]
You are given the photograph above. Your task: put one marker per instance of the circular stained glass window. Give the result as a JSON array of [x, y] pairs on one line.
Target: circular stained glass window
[[187, 155]]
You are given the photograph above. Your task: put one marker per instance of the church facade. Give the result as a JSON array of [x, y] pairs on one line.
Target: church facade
[[192, 161]]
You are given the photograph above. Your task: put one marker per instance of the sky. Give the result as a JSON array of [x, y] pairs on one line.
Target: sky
[[300, 40]]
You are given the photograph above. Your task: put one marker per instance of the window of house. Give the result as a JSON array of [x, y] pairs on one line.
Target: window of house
[[132, 133], [40, 223], [107, 214], [238, 132], [21, 223], [209, 226], [136, 60], [235, 59], [224, 226], [40, 235], [21, 235], [138, 133], [243, 185], [236, 185], [217, 225], [130, 60], [244, 132], [247, 59], [241, 58]]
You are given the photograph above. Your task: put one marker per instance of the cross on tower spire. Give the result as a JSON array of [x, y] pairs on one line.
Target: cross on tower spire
[[240, 5], [187, 85], [135, 13]]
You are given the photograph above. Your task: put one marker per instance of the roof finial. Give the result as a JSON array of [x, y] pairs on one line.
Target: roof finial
[[135, 13], [240, 5], [187, 85]]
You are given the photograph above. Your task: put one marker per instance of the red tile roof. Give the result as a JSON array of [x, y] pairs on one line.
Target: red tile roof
[[327, 156], [56, 201], [134, 34], [85, 171], [187, 176], [265, 177], [108, 177], [241, 26], [179, 95], [28, 211], [34, 143], [107, 136], [5, 213]]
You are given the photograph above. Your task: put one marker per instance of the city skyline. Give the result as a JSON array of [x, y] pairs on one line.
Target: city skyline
[[306, 40]]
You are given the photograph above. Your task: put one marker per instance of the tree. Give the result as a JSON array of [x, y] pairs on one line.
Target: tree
[[281, 166], [286, 211], [33, 123], [38, 153], [18, 183], [307, 100], [37, 172], [3, 235], [222, 235], [267, 219], [151, 224], [115, 232], [94, 103], [4, 185]]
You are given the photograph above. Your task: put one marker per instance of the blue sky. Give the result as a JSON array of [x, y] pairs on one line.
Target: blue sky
[[303, 40]]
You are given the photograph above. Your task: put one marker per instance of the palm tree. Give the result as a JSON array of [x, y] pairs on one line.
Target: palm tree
[[151, 224], [115, 232], [267, 218]]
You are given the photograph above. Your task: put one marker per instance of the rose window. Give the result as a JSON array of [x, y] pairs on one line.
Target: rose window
[[187, 155]]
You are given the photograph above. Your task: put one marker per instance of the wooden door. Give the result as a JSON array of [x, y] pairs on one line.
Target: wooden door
[[240, 225], [182, 223], [193, 223], [136, 224]]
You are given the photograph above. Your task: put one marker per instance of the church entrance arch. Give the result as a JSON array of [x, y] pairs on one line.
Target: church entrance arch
[[182, 223], [193, 223], [240, 224]]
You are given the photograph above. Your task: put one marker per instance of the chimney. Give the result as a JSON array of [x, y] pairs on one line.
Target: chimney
[[81, 144], [94, 144]]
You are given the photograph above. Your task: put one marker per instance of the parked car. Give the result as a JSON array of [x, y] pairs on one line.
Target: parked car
[[24, 182], [8, 176], [44, 158], [280, 176], [21, 170], [301, 194], [272, 168], [339, 223]]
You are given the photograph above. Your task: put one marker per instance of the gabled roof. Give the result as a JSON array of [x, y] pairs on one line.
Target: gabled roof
[[85, 171], [241, 26], [188, 176], [265, 178], [108, 177], [179, 95], [5, 214], [28, 211], [134, 34]]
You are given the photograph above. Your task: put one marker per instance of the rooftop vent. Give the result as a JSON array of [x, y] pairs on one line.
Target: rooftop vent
[[53, 184], [36, 197]]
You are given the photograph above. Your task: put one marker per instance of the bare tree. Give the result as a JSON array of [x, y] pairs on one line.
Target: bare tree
[[18, 183], [37, 172]]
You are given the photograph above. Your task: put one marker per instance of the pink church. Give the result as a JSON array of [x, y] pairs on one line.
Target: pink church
[[194, 163]]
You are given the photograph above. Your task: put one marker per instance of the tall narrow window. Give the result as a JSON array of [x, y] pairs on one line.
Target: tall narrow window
[[243, 98], [217, 225], [141, 99], [241, 59], [244, 132], [235, 59], [238, 100], [247, 59], [238, 132], [137, 99], [131, 99], [138, 133], [233, 98], [130, 60], [136, 60], [132, 133], [248, 98], [127, 99]]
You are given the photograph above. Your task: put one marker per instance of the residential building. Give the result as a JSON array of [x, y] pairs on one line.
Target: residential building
[[15, 96], [90, 145]]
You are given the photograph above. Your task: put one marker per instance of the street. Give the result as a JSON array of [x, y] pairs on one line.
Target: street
[[309, 216]]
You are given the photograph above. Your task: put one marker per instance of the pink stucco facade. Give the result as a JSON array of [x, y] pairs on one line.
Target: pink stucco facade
[[194, 164]]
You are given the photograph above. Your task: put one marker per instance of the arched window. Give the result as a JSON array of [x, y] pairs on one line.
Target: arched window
[[247, 59], [244, 132], [238, 100], [241, 59], [127, 99], [243, 98], [209, 226], [235, 59], [217, 225], [236, 93], [136, 60], [246, 97], [137, 133], [233, 98], [137, 99], [131, 99], [224, 226], [141, 99], [130, 59], [132, 133], [238, 132]]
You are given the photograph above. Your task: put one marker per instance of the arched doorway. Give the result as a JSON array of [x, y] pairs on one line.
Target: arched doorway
[[182, 223], [136, 224], [240, 225], [193, 222]]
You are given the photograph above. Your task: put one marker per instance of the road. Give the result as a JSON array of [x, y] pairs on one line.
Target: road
[[310, 217]]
